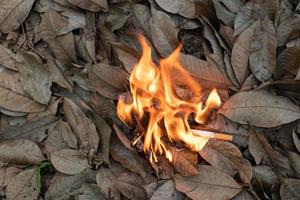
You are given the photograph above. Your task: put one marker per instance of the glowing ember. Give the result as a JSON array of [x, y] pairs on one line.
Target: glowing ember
[[154, 95]]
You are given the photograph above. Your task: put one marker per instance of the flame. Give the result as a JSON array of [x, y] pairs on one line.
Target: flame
[[154, 96]]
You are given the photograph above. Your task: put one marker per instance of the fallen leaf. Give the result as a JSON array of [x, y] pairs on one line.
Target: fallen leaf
[[209, 184], [163, 32], [91, 5], [141, 18], [83, 127], [69, 161], [35, 77], [227, 158], [89, 191], [185, 8], [289, 189], [66, 186], [296, 140], [20, 152], [265, 176], [288, 61], [105, 182], [60, 137], [208, 75], [260, 108], [122, 137], [63, 46], [22, 186], [184, 162], [240, 54], [166, 191], [262, 58], [33, 130], [13, 14], [288, 30], [295, 161], [262, 151], [251, 11], [7, 58], [76, 20], [244, 195], [128, 159]]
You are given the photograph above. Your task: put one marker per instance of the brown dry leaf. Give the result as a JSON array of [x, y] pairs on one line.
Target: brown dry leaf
[[10, 79], [22, 186], [35, 78], [76, 20], [91, 5], [288, 60], [163, 32], [184, 162], [83, 127], [69, 161], [262, 58], [7, 58], [33, 130], [20, 152], [90, 191], [209, 184], [295, 161], [288, 30], [122, 137], [128, 159], [166, 191], [289, 189], [7, 174], [208, 75], [185, 8], [141, 18], [128, 184], [260, 108], [240, 54], [57, 73], [296, 140], [62, 46], [244, 195], [60, 137], [265, 176], [227, 158], [252, 11], [128, 60], [261, 150], [9, 99], [65, 186], [226, 32], [13, 13]]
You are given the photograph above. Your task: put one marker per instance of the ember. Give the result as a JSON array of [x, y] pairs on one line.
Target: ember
[[153, 92]]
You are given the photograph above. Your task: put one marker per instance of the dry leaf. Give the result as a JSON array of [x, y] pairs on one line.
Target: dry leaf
[[20, 152], [166, 191], [252, 11], [288, 30], [89, 191], [289, 189], [141, 18], [163, 32], [91, 5], [227, 158], [63, 46], [209, 184], [76, 20], [83, 127], [262, 58], [185, 8], [105, 182], [289, 61], [296, 140], [122, 137], [35, 77], [60, 137], [69, 161], [7, 58], [33, 130], [66, 186], [208, 75], [266, 177], [260, 108], [13, 13], [240, 54], [184, 162], [244, 195], [261, 150], [128, 159], [23, 186]]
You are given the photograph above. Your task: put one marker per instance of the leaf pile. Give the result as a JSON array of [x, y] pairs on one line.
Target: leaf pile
[[64, 64]]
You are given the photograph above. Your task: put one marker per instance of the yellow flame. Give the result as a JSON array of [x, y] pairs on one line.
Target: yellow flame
[[154, 95]]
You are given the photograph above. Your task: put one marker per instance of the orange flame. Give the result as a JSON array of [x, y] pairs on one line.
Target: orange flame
[[153, 93]]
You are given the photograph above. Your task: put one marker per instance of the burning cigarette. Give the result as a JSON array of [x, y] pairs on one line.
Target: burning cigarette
[[209, 134]]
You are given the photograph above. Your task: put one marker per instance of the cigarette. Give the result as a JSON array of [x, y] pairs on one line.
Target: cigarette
[[209, 134]]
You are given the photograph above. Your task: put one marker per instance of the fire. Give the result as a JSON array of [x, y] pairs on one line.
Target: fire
[[154, 97]]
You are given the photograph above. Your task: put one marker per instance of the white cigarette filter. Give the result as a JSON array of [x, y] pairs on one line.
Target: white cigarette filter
[[210, 134]]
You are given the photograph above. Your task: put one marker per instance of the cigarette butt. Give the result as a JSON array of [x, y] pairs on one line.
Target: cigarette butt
[[209, 134]]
